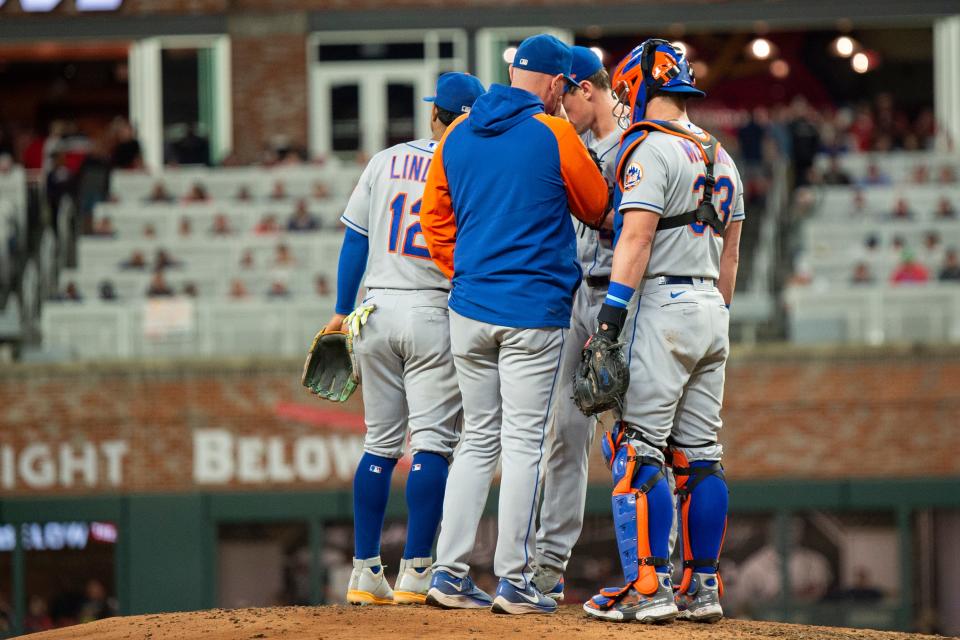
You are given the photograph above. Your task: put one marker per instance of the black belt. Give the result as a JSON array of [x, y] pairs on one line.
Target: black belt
[[669, 280], [596, 282]]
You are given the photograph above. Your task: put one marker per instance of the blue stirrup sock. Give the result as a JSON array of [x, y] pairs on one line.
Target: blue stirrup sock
[[371, 490], [425, 487], [659, 514], [708, 516]]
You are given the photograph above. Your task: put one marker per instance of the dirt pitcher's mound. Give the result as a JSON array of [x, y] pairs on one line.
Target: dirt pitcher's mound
[[393, 623]]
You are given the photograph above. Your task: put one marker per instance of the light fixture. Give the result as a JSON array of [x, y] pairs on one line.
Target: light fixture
[[680, 46], [600, 53], [509, 54], [779, 69], [860, 62], [761, 48], [844, 46]]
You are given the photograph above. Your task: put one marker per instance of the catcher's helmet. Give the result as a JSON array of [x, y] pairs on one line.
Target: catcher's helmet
[[652, 67]]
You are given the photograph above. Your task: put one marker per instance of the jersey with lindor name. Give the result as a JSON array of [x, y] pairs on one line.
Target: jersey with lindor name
[[666, 174], [385, 207]]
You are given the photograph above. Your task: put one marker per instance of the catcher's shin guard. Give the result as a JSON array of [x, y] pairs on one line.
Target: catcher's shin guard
[[702, 496], [642, 512]]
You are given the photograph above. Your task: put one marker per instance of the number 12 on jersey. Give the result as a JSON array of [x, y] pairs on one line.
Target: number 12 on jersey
[[412, 244]]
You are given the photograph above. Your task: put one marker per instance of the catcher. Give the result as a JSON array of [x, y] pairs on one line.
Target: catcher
[[400, 339], [679, 204]]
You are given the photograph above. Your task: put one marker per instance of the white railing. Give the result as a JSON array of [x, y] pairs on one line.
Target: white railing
[[875, 314]]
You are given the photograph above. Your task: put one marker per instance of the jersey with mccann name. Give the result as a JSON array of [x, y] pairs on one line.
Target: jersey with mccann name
[[595, 246], [385, 207], [666, 174]]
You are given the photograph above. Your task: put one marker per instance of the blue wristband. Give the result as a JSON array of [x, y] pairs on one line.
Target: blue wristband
[[618, 295]]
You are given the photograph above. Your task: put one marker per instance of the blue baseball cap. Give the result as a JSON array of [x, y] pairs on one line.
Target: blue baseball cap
[[456, 92], [585, 63], [544, 54]]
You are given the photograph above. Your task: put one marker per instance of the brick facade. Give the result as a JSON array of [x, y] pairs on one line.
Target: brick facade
[[211, 426]]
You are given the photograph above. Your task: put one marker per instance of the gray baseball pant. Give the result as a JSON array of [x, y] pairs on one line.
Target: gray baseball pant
[[408, 377], [508, 379], [567, 459]]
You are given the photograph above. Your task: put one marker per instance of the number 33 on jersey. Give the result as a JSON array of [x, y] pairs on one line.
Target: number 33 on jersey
[[385, 207], [666, 174]]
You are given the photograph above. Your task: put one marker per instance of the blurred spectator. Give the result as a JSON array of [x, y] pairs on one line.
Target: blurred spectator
[[321, 286], [835, 175], [159, 194], [246, 259], [804, 139], [950, 271], [267, 225], [190, 290], [861, 274], [106, 291], [931, 242], [135, 261], [909, 271], [238, 290], [70, 293], [163, 260], [149, 231], [192, 148], [920, 174], [302, 220], [901, 210], [945, 209], [279, 191], [158, 286], [859, 205], [278, 290], [221, 225], [185, 229], [875, 177], [103, 227], [197, 193], [97, 605], [243, 194], [751, 136], [38, 616], [126, 152], [60, 184], [283, 257], [948, 174], [320, 190]]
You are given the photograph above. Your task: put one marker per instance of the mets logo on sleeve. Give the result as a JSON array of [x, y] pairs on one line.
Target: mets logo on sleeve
[[632, 176]]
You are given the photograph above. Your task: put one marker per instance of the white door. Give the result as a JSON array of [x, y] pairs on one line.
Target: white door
[[367, 88], [358, 109]]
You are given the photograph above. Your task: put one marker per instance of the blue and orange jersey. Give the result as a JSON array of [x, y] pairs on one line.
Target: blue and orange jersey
[[496, 207]]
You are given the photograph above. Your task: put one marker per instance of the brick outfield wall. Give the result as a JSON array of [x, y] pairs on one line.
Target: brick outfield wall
[[227, 425]]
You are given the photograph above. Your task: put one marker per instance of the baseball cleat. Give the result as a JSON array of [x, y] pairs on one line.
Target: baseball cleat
[[413, 581], [549, 583], [447, 591], [512, 599], [701, 601], [368, 585], [619, 605]]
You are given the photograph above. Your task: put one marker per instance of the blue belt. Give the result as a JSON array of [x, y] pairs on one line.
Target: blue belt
[[670, 280]]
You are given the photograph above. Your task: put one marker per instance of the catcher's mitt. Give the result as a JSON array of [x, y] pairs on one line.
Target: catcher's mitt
[[602, 376], [330, 370]]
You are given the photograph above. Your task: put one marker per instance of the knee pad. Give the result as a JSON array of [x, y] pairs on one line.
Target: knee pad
[[702, 496], [631, 515]]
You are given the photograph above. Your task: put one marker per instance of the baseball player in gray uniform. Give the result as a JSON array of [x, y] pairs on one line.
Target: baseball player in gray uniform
[[679, 213], [589, 108], [402, 346]]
